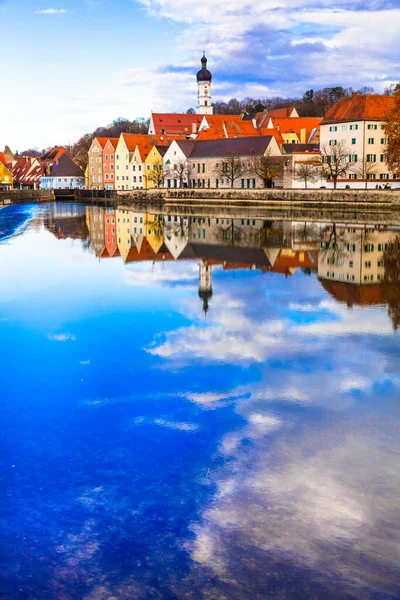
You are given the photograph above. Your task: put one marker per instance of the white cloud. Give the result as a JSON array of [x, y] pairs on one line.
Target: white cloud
[[51, 11], [62, 337]]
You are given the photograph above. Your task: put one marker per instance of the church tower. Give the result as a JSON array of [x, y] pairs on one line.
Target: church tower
[[204, 79], [205, 287]]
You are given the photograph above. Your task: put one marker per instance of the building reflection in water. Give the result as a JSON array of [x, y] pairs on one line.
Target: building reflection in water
[[356, 264]]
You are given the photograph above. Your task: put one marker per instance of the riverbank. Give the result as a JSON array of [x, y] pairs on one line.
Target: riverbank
[[310, 199]]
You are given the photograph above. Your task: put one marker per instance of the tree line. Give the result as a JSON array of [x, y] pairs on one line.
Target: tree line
[[313, 103]]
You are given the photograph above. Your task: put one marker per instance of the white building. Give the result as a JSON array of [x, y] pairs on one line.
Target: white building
[[175, 163], [357, 124]]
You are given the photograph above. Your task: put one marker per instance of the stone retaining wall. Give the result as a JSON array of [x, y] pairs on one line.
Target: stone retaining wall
[[25, 196]]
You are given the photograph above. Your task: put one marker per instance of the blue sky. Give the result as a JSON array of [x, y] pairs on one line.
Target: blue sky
[[72, 65]]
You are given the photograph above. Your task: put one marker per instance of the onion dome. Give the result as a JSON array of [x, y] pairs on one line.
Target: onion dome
[[204, 74]]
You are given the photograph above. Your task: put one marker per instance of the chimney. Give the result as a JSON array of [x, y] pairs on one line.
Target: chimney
[[194, 128]]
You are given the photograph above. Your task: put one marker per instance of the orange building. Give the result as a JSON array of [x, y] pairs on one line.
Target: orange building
[[109, 163]]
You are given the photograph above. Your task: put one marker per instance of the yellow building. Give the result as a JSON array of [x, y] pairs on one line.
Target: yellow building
[[154, 168], [6, 178], [123, 219], [154, 231]]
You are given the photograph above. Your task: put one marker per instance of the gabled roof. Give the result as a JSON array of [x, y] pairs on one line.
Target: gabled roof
[[102, 141], [175, 123], [3, 159], [186, 146], [226, 126], [65, 167], [295, 125], [372, 107], [113, 142], [283, 113], [244, 146], [53, 154], [274, 132]]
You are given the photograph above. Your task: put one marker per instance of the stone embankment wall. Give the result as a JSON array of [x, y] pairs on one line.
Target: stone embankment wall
[[389, 198], [25, 196]]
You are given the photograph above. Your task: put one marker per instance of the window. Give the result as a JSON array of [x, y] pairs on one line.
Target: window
[[332, 142], [112, 167], [384, 176], [106, 156], [333, 128], [367, 264], [353, 176], [383, 140], [148, 167], [111, 156], [372, 126], [353, 141], [117, 157], [371, 140], [382, 158], [371, 157], [344, 127], [354, 127]]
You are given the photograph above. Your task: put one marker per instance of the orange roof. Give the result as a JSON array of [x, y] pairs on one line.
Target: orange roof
[[283, 113], [274, 132], [175, 123], [296, 124], [102, 141], [372, 107], [226, 126], [2, 159], [113, 142], [143, 139], [352, 293]]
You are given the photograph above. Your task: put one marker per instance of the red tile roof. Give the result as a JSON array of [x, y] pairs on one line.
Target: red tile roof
[[175, 123], [113, 142], [372, 107], [102, 141], [226, 126], [296, 124]]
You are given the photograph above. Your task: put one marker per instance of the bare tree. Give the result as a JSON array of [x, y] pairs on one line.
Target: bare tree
[[392, 133], [335, 161], [307, 172], [232, 168], [265, 167], [363, 168], [180, 172], [157, 174]]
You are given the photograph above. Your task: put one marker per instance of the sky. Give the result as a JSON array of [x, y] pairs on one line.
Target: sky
[[70, 66]]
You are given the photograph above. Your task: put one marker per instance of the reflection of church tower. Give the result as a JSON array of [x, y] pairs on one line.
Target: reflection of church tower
[[204, 78], [205, 288]]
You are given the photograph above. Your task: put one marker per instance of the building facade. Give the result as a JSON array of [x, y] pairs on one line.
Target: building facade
[[95, 164], [356, 124]]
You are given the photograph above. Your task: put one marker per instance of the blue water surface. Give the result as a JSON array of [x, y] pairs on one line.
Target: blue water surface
[[152, 449]]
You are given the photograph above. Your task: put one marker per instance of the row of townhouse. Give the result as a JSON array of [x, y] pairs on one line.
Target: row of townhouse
[[140, 161], [188, 150], [52, 170]]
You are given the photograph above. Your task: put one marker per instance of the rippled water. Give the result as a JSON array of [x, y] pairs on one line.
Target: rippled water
[[197, 406]]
